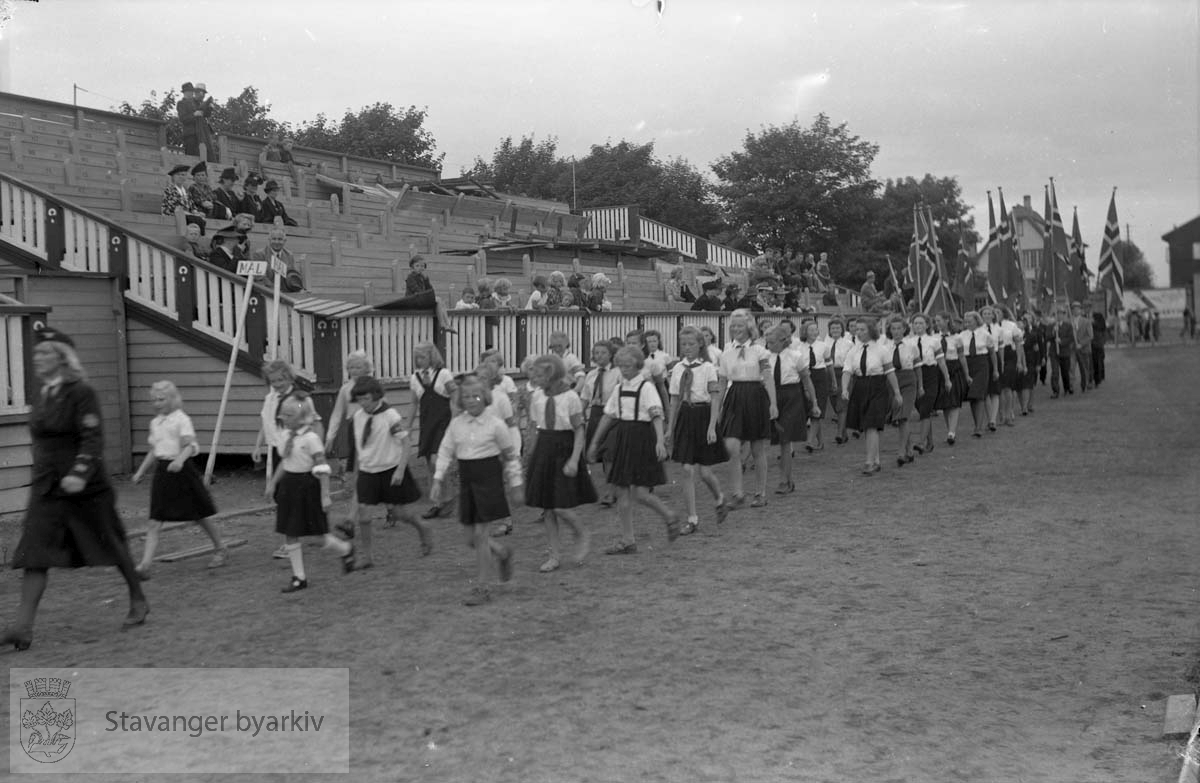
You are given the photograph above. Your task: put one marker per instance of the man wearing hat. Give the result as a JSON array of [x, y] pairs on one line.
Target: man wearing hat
[[202, 195], [175, 196], [204, 131], [710, 296], [764, 302], [292, 281], [225, 253], [271, 206], [225, 195], [186, 109]]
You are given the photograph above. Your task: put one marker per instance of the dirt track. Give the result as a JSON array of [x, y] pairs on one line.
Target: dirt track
[[1012, 610]]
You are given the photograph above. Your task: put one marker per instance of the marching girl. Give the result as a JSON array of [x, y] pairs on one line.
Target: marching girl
[[1013, 341], [695, 389], [383, 477], [710, 345], [300, 487], [795, 396], [339, 440], [557, 478], [594, 391], [822, 380], [980, 350], [178, 493], [867, 378], [652, 347], [479, 443], [948, 328], [995, 384], [935, 380], [494, 358], [839, 345], [1034, 348], [636, 449], [272, 434], [431, 385], [749, 405], [502, 408], [903, 354], [653, 369]]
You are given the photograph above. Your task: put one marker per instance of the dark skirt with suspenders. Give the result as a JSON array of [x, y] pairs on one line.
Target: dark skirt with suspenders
[[546, 486], [434, 410], [631, 448]]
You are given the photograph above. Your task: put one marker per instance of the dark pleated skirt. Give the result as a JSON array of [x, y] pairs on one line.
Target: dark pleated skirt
[[935, 391], [956, 392], [375, 489], [746, 412], [298, 510], [481, 491], [70, 532], [435, 418], [633, 461], [869, 402], [980, 369], [821, 386], [179, 497], [594, 415], [689, 437], [908, 392], [792, 424], [835, 392], [343, 444], [1029, 378], [545, 484], [1009, 378]]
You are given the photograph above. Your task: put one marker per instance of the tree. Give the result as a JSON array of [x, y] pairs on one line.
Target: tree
[[525, 168], [163, 110], [378, 131], [806, 187], [1138, 273]]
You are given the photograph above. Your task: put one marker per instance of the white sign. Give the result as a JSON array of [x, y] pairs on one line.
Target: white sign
[[279, 267], [256, 268]]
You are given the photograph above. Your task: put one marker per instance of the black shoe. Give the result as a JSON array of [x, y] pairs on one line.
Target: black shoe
[[295, 585], [137, 615], [991, 428], [950, 440], [432, 513], [20, 640]]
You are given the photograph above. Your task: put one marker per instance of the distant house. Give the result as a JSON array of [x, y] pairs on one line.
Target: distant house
[[1183, 253], [1031, 232]]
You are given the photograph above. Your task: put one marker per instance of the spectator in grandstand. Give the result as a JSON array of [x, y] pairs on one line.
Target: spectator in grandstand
[[502, 294], [272, 207], [417, 281], [764, 301], [201, 194], [204, 131], [677, 291], [762, 268], [251, 200], [538, 300], [870, 299], [225, 195], [483, 297], [276, 250], [175, 196], [243, 224], [557, 295], [193, 244], [577, 287], [467, 300], [186, 109], [225, 251], [733, 299], [710, 297], [823, 275], [597, 301], [279, 150]]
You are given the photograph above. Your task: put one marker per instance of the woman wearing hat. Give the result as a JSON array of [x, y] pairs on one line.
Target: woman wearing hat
[[251, 200], [71, 520], [201, 193], [272, 207], [175, 196], [225, 195]]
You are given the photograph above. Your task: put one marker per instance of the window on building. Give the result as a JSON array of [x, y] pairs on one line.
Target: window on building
[[1196, 251], [1031, 259]]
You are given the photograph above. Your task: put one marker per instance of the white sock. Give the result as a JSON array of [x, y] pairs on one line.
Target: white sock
[[296, 556], [336, 544]]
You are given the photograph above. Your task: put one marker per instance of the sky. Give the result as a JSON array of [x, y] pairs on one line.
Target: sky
[[1097, 94]]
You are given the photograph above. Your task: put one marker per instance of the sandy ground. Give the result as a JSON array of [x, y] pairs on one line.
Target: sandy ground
[[1015, 609]]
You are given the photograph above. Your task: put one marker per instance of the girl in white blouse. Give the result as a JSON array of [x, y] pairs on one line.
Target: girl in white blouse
[[636, 450], [904, 355], [556, 479], [995, 381], [795, 397], [1012, 341], [821, 373], [948, 327], [935, 380], [695, 390], [710, 345], [749, 406], [178, 493], [980, 350], [839, 345], [866, 379]]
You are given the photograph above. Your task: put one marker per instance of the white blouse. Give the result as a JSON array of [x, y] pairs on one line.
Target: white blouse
[[566, 405], [838, 348], [792, 362], [908, 352], [745, 362], [441, 379], [879, 360], [704, 378], [952, 345], [983, 341], [167, 433], [612, 377], [929, 348], [649, 404]]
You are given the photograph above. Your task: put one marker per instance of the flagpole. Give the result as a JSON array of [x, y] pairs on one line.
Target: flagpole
[[1052, 260], [916, 236]]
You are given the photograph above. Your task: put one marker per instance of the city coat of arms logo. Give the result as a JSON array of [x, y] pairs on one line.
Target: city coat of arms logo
[[47, 720]]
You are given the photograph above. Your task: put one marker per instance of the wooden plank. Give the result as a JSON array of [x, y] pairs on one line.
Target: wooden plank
[[15, 435], [196, 551], [1180, 716], [13, 500]]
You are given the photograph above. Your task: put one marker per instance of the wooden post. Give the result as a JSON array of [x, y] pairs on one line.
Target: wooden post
[[334, 204], [433, 236], [360, 235], [367, 293], [126, 199], [203, 151], [335, 251], [302, 186], [233, 352], [185, 293], [397, 276], [69, 172], [512, 226], [16, 147], [526, 266], [55, 237], [222, 149], [120, 134], [122, 163]]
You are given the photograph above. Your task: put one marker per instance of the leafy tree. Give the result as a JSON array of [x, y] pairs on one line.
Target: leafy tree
[[1138, 273], [163, 110], [245, 116], [808, 187], [377, 131], [525, 168], [892, 222]]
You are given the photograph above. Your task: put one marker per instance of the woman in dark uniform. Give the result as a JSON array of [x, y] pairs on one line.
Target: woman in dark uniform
[[71, 520]]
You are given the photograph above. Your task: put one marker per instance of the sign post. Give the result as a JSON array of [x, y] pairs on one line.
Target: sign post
[[250, 269], [280, 269]]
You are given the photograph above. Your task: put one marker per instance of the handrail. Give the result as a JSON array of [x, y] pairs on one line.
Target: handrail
[[610, 219]]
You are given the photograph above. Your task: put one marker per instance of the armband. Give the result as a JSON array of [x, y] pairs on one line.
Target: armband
[[322, 470]]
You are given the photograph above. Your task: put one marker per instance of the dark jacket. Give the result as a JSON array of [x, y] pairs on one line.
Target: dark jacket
[[707, 302], [228, 200], [67, 440], [271, 209]]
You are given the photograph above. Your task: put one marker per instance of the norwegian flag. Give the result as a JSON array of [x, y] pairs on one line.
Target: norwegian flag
[[1012, 279], [997, 275], [1081, 279], [1112, 274]]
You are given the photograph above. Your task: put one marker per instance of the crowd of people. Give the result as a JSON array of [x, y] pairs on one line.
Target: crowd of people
[[551, 292]]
